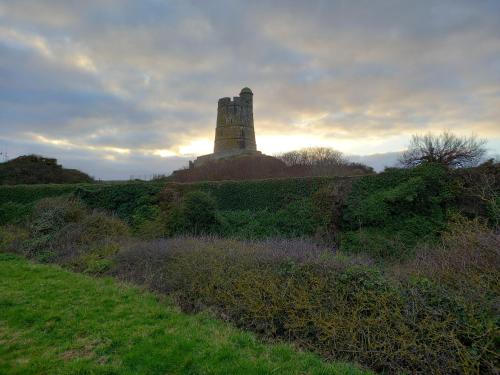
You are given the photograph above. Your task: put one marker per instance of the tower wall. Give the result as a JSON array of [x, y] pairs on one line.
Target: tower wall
[[235, 130]]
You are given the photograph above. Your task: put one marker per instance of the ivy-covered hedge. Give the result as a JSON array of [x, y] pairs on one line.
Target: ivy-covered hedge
[[389, 213], [31, 193], [256, 195], [126, 198], [121, 198]]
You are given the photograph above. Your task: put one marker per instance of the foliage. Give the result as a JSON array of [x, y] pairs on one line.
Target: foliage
[[340, 306], [28, 194], [328, 206], [129, 198], [149, 222], [446, 149], [14, 213], [388, 213], [12, 237], [256, 195], [322, 161], [62, 228], [480, 191], [124, 199], [34, 169], [199, 212], [54, 321], [297, 219], [467, 261], [399, 207]]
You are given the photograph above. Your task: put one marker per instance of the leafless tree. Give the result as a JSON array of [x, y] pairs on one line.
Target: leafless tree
[[313, 157], [322, 161], [446, 148]]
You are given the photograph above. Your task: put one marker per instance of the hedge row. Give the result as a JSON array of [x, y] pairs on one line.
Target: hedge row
[[125, 198], [255, 195], [26, 194]]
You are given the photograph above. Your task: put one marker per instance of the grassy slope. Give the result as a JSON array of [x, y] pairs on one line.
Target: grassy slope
[[56, 322]]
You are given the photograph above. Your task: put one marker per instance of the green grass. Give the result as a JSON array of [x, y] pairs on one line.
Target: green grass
[[56, 322]]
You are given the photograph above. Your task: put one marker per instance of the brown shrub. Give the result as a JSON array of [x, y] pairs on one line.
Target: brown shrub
[[11, 238], [338, 306], [466, 261]]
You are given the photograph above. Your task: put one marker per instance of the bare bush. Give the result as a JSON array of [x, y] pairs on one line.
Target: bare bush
[[333, 304], [467, 261], [481, 191], [446, 148]]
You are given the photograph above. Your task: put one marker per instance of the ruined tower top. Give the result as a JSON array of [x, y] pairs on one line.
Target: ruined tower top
[[234, 131], [246, 90]]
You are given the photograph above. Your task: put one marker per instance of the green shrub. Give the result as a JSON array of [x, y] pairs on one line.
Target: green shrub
[[257, 195], [329, 203], [399, 207], [126, 198], [297, 219], [49, 217], [97, 259], [14, 213], [156, 227], [63, 228], [199, 213], [246, 224], [100, 225]]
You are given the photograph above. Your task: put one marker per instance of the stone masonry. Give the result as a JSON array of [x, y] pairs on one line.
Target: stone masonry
[[234, 133]]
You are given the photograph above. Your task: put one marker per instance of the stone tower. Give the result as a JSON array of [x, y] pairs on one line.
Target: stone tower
[[234, 131]]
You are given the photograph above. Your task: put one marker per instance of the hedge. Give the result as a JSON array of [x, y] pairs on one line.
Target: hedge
[[256, 195], [124, 198]]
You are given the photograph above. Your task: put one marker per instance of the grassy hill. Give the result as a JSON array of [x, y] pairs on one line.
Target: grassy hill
[[35, 169], [57, 322]]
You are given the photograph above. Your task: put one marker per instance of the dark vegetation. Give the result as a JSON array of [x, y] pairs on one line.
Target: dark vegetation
[[238, 168], [308, 162], [399, 271], [322, 161], [35, 169]]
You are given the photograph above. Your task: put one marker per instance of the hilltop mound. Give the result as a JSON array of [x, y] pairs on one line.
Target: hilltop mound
[[35, 169], [243, 167], [259, 166]]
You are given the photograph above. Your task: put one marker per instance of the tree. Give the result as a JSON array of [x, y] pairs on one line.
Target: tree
[[322, 161], [446, 148], [313, 157]]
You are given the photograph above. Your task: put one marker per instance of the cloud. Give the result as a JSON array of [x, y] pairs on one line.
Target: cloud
[[145, 76]]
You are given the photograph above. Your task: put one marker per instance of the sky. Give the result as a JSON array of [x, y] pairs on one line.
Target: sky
[[126, 88]]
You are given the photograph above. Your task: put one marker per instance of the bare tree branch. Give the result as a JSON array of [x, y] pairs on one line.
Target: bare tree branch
[[446, 148]]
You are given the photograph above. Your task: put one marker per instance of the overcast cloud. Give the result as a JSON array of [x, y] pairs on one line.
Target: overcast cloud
[[121, 88]]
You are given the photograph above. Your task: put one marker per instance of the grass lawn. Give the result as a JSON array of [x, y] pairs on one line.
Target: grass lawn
[[56, 322]]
